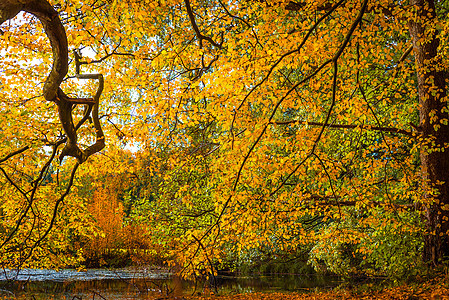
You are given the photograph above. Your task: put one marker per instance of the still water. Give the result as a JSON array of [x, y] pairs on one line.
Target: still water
[[139, 284]]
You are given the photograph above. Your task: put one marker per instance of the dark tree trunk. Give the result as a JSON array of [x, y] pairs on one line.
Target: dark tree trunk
[[432, 113]]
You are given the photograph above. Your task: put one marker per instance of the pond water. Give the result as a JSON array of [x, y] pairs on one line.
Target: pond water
[[132, 283]]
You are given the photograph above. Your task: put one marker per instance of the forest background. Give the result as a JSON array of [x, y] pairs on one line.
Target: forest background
[[210, 135]]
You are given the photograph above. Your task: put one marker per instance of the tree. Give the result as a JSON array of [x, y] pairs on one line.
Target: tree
[[310, 114], [433, 113], [30, 218]]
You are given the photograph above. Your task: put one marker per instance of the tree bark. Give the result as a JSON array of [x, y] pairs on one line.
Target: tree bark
[[432, 112], [9, 9], [55, 32]]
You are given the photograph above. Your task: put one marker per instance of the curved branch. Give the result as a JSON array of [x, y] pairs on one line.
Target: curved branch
[[9, 9], [100, 140], [58, 40], [55, 32], [65, 116], [200, 36]]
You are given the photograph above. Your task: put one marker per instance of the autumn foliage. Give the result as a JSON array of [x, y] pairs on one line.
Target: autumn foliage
[[245, 130], [107, 212]]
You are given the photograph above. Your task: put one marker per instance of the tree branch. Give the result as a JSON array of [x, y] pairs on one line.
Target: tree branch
[[14, 153], [56, 34], [55, 212], [200, 36], [346, 126]]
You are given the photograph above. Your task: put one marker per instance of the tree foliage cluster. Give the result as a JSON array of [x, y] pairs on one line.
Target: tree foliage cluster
[[243, 130]]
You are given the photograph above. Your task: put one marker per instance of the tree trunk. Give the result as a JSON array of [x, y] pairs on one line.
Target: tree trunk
[[434, 117]]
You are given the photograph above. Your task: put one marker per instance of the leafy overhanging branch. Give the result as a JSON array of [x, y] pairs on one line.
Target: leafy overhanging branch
[[283, 56], [31, 197], [55, 212], [334, 62], [334, 90]]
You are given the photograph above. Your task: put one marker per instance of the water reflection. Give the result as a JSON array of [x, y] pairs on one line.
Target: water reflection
[[278, 282], [139, 284], [91, 289]]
